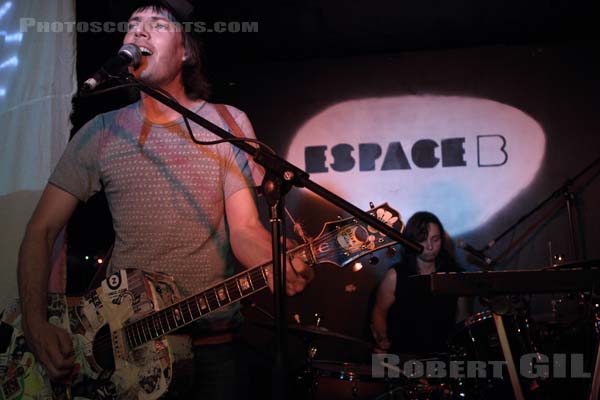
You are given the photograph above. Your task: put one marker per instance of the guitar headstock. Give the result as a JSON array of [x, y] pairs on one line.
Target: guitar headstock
[[344, 241]]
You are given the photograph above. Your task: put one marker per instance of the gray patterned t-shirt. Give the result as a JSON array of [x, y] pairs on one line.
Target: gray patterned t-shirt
[[166, 194]]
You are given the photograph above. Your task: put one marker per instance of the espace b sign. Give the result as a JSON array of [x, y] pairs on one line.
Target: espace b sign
[[422, 154], [461, 158]]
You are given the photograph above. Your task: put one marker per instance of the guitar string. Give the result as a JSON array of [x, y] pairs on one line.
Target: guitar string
[[163, 317], [105, 343]]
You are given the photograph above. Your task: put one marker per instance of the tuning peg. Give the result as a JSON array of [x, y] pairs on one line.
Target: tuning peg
[[371, 205]]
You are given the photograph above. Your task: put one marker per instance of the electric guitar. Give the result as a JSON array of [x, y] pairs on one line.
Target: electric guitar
[[125, 331]]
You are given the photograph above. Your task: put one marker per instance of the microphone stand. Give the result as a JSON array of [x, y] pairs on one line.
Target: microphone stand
[[279, 179], [569, 197], [565, 191]]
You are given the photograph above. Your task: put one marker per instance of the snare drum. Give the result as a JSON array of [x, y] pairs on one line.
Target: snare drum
[[342, 380]]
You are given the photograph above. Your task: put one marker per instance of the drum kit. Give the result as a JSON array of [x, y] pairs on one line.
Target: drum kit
[[502, 352], [482, 350], [320, 379]]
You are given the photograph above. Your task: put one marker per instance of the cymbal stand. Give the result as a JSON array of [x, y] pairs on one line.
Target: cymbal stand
[[312, 349], [565, 192], [595, 389]]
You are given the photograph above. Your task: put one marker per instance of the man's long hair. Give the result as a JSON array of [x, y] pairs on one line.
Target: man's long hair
[[192, 73]]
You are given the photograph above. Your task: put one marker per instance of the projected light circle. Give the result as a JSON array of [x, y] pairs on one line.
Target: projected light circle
[[10, 42], [459, 157]]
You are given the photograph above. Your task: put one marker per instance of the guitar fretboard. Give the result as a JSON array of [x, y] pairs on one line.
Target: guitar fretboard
[[338, 243], [192, 308]]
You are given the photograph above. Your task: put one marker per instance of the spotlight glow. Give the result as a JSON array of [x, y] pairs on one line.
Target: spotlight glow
[[11, 62], [12, 37], [459, 150], [5, 7]]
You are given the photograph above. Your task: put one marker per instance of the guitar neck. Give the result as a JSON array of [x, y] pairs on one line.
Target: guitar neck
[[339, 243], [197, 306]]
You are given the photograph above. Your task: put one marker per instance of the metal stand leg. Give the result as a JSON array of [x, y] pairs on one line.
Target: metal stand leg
[[595, 318], [596, 376], [510, 363]]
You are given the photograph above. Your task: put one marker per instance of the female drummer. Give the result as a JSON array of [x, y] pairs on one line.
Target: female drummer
[[404, 320]]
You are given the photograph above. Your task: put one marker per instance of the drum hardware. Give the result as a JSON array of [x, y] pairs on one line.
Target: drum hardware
[[317, 332], [502, 305], [342, 380], [558, 259], [396, 393], [566, 194], [595, 388], [406, 388], [573, 277], [488, 336], [318, 318], [330, 379], [333, 379], [312, 347]]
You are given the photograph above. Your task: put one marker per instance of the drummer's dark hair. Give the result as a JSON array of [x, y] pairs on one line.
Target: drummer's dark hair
[[417, 229]]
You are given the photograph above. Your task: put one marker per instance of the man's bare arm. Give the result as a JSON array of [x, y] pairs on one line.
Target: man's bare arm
[[251, 242], [50, 344]]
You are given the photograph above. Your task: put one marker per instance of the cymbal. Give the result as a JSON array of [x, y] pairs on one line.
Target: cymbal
[[317, 331]]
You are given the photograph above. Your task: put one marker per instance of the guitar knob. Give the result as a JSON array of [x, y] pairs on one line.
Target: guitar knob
[[373, 260]]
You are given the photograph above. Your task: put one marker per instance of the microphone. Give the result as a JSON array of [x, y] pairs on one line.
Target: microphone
[[129, 54], [478, 254]]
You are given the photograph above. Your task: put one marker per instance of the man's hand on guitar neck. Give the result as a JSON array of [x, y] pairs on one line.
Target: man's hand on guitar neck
[[53, 347], [298, 275]]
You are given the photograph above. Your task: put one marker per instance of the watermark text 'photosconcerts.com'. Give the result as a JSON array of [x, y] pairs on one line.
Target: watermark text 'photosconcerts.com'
[[34, 25]]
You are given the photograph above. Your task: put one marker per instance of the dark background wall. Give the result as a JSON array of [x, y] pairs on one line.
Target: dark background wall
[[538, 57], [555, 84]]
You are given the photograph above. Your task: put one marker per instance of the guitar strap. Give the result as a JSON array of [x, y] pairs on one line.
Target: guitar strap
[[257, 170], [257, 174], [229, 120]]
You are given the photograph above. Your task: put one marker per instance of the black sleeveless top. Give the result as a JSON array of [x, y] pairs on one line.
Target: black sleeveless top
[[416, 322]]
